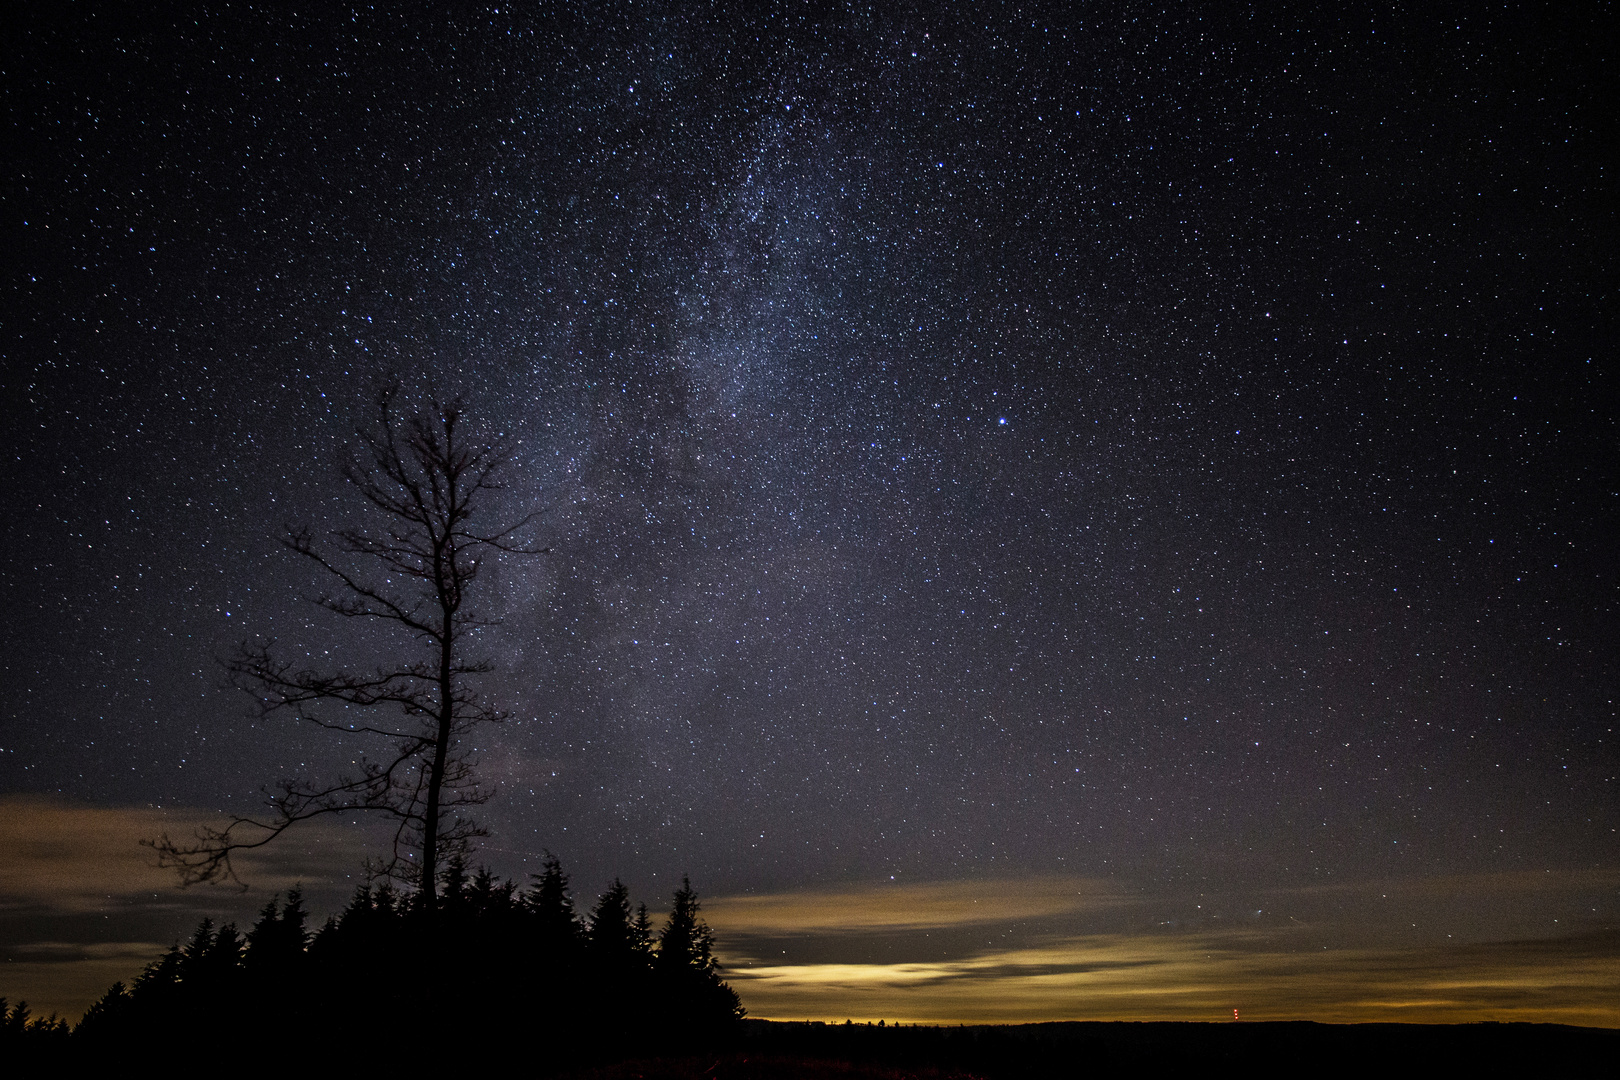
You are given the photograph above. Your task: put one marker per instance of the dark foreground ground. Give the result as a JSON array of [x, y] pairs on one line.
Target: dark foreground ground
[[781, 1051]]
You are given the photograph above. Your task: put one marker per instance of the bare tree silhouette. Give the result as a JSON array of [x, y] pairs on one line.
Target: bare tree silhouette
[[426, 485]]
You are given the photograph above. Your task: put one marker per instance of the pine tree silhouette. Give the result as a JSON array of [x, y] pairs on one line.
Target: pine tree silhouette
[[524, 965], [557, 926], [698, 1004]]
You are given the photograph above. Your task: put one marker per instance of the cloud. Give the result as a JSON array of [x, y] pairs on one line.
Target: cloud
[[71, 857], [911, 907], [1057, 948], [1574, 981], [82, 904]]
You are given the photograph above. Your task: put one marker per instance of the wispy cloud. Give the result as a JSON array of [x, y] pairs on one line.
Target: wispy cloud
[[1012, 962], [71, 857], [1573, 981], [913, 907], [82, 904]]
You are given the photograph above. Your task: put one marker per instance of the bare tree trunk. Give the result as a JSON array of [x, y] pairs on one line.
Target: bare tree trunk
[[441, 752]]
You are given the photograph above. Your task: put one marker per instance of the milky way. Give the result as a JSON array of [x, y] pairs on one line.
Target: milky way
[[977, 443]]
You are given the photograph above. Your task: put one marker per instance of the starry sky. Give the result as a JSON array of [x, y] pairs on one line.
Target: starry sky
[[1036, 492]]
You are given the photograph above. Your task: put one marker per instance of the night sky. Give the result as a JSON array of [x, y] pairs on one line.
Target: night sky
[[1103, 486]]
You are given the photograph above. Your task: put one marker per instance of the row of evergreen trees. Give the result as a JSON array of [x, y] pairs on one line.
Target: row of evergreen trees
[[520, 964], [19, 1026]]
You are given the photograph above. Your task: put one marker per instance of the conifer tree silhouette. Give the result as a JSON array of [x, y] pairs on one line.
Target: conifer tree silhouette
[[612, 935], [524, 965], [700, 1003], [279, 937], [686, 943], [557, 925]]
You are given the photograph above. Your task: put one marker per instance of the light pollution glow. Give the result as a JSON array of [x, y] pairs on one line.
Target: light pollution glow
[[81, 906], [1012, 960], [1205, 978]]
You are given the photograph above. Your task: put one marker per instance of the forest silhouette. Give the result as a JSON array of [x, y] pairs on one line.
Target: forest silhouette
[[509, 965]]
